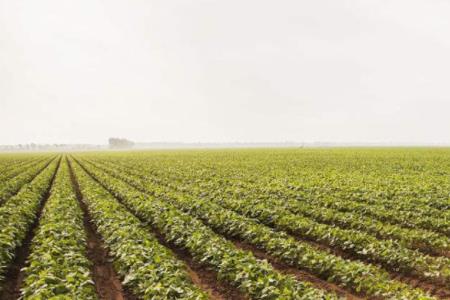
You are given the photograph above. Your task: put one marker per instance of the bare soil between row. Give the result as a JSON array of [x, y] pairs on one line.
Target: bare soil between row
[[107, 282]]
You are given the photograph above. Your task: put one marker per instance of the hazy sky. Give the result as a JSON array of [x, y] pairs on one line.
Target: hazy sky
[[222, 71]]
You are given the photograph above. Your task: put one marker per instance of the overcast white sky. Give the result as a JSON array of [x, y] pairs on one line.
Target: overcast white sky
[[223, 71]]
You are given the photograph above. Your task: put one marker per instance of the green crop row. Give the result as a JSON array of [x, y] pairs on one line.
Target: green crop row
[[424, 240], [240, 182], [254, 277], [357, 276], [389, 253], [421, 189], [15, 169], [409, 202], [12, 186], [420, 200], [411, 210], [438, 222], [149, 269], [386, 252], [397, 179], [57, 266], [9, 162], [19, 212], [414, 238]]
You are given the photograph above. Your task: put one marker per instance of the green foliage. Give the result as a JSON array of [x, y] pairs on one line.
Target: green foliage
[[354, 275], [57, 266], [15, 167], [18, 214], [386, 210], [12, 185], [256, 278], [148, 268]]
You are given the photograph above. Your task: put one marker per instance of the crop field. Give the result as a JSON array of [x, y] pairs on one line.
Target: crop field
[[226, 224]]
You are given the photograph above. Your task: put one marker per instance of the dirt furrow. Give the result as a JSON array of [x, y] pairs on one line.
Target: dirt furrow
[[440, 291], [201, 276], [107, 282]]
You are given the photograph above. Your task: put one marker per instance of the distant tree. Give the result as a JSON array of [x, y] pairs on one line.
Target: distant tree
[[119, 143]]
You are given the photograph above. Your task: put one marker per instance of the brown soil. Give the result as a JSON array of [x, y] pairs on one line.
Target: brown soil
[[442, 253], [441, 291], [14, 277], [107, 282]]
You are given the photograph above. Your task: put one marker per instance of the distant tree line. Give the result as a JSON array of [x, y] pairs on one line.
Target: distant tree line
[[120, 143]]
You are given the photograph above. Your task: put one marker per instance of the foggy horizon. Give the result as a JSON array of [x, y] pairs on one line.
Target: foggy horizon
[[79, 72]]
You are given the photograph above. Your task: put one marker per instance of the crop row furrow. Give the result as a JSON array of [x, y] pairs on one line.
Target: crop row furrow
[[256, 278], [147, 268], [356, 276], [439, 222], [15, 169], [57, 265], [389, 253], [244, 185], [12, 186], [9, 164], [403, 196], [427, 241], [19, 213]]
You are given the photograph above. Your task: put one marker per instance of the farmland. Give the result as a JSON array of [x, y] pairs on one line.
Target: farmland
[[226, 224]]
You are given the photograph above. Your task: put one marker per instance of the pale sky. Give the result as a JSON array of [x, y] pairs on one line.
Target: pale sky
[[224, 71]]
